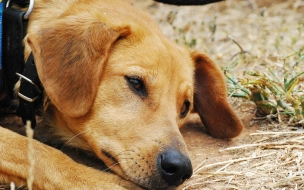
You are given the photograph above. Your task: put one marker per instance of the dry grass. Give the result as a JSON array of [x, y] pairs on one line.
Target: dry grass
[[252, 35], [274, 162], [31, 155]]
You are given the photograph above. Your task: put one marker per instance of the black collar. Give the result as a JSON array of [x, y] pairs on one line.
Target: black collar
[[15, 68]]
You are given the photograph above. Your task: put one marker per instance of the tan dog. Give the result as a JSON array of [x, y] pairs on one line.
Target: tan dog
[[116, 86]]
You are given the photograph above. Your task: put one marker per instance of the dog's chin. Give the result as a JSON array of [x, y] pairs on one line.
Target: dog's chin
[[147, 182]]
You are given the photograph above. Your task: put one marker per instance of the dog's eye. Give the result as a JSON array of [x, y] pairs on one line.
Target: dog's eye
[[185, 109], [137, 85]]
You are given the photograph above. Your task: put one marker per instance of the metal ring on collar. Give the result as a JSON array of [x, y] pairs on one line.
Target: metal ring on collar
[[30, 81], [29, 10]]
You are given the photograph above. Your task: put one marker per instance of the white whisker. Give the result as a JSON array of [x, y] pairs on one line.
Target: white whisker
[[72, 139]]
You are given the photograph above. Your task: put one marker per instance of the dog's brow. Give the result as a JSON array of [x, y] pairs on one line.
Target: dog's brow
[[135, 70]]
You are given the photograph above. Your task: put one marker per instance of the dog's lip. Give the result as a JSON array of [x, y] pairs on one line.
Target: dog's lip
[[109, 156]]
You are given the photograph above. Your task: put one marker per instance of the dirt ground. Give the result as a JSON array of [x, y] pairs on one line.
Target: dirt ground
[[269, 152]]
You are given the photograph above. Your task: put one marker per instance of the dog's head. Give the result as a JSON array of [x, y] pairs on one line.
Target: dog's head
[[125, 90]]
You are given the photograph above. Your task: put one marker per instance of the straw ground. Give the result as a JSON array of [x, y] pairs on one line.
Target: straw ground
[[245, 36]]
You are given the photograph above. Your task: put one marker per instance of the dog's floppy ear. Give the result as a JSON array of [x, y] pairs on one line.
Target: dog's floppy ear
[[210, 99], [70, 57]]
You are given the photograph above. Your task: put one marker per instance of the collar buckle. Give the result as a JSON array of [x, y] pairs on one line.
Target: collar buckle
[[29, 91]]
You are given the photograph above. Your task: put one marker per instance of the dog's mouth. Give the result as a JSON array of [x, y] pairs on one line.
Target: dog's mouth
[[169, 170], [109, 156], [112, 164]]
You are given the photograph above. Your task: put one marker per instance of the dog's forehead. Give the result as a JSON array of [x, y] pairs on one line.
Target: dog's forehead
[[155, 58]]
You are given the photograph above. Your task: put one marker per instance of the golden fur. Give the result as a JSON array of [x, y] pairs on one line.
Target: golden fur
[[83, 51]]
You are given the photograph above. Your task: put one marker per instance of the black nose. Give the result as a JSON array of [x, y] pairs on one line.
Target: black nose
[[174, 167]]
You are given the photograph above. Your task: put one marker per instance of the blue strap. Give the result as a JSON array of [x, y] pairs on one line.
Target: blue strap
[[1, 75]]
